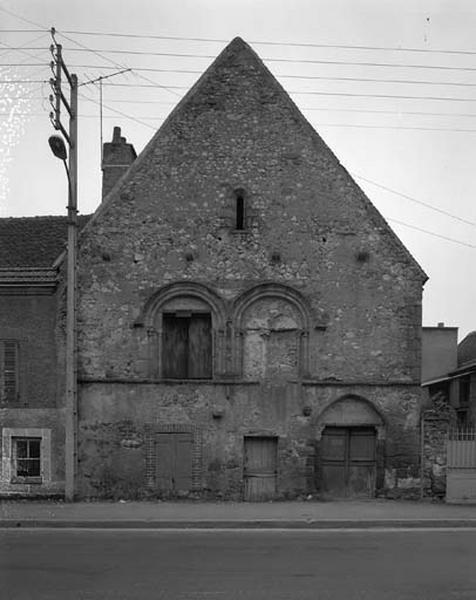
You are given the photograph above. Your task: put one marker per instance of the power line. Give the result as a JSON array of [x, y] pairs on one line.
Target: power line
[[425, 204], [120, 66], [271, 59], [396, 127], [310, 77], [23, 30], [22, 48], [270, 43], [443, 237], [317, 93], [101, 53], [17, 16], [119, 112], [23, 64], [280, 76], [10, 81]]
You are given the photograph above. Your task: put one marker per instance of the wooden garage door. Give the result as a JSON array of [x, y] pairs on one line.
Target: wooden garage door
[[260, 468], [348, 464], [174, 461]]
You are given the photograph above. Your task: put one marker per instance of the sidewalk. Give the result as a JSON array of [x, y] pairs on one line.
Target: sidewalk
[[306, 514]]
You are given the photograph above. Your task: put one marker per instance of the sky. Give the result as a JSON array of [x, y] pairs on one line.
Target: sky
[[390, 86]]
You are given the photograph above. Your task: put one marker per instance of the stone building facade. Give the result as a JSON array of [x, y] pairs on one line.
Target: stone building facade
[[249, 327], [249, 324]]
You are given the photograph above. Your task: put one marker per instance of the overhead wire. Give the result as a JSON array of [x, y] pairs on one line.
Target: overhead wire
[[271, 43], [119, 65], [443, 237], [273, 59], [415, 200], [320, 93], [119, 112], [17, 16], [379, 185]]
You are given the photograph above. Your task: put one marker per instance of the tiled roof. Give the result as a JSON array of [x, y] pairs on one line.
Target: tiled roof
[[33, 241], [467, 349]]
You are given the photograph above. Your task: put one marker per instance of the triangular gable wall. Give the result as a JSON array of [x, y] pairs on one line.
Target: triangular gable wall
[[238, 52]]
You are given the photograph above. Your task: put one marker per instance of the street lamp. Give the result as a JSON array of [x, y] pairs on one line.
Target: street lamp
[[58, 148]]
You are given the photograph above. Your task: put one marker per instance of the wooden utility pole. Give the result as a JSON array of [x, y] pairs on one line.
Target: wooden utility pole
[[71, 400]]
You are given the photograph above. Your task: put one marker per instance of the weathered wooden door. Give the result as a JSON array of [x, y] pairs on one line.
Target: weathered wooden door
[[174, 462], [348, 465], [260, 468]]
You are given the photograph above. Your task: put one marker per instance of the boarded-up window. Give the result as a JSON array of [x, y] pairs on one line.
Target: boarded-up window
[[187, 345], [8, 370], [174, 461]]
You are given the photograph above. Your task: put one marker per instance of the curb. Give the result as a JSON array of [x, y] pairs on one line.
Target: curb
[[249, 524]]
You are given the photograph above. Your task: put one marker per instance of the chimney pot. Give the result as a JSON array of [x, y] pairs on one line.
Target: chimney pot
[[116, 135], [441, 324]]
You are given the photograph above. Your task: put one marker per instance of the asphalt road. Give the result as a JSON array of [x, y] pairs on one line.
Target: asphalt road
[[232, 565]]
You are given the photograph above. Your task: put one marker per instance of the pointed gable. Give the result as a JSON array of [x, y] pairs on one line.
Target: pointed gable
[[216, 122]]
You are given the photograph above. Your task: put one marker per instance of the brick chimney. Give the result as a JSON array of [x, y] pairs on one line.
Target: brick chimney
[[117, 157]]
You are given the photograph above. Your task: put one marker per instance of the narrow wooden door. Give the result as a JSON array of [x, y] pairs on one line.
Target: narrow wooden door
[[174, 462], [260, 468], [348, 464]]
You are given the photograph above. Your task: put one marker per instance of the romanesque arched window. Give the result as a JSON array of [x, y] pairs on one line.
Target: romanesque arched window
[[272, 323], [185, 329]]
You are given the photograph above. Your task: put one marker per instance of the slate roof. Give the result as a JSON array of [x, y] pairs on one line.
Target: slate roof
[[33, 241], [467, 349]]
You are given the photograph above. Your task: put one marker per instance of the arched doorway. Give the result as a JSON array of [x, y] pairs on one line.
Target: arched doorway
[[350, 433]]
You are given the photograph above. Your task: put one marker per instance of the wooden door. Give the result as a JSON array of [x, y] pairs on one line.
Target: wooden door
[[348, 465], [260, 468], [174, 462]]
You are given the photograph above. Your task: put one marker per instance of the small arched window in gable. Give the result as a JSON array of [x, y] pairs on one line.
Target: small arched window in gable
[[240, 209]]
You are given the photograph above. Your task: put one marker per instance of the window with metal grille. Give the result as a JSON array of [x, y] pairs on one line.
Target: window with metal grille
[[8, 370], [27, 457], [187, 345]]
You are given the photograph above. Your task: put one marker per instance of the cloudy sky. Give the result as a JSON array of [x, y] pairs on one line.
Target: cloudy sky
[[390, 86]]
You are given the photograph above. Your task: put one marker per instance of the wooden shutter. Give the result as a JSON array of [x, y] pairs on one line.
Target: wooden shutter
[[200, 347], [175, 346], [9, 370]]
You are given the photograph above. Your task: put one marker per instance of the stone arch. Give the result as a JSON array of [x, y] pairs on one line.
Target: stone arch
[[351, 410], [181, 289], [271, 324], [349, 413], [183, 297]]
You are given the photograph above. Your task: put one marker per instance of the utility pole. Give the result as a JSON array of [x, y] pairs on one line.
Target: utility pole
[[58, 100]]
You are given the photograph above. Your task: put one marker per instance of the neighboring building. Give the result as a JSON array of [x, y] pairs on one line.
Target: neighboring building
[[31, 385], [249, 327], [449, 369]]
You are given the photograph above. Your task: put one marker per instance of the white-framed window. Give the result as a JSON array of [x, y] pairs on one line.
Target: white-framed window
[[26, 455]]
